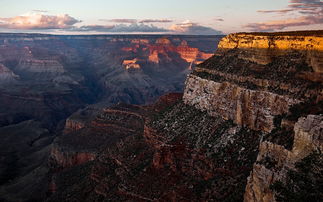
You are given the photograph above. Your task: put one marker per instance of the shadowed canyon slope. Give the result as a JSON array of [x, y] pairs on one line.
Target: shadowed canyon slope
[[44, 79], [248, 127]]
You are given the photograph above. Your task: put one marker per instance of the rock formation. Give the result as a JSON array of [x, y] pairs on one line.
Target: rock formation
[[274, 160], [47, 79], [249, 120], [6, 75], [241, 127], [263, 48]]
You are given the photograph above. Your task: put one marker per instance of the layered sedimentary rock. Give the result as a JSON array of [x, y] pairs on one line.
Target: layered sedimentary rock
[[179, 153], [205, 146], [85, 136], [40, 66], [252, 93], [247, 97], [263, 48], [267, 82], [274, 160], [46, 78], [252, 108]]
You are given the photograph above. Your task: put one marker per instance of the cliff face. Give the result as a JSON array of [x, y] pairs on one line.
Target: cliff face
[[273, 160], [263, 49], [266, 83], [252, 92], [252, 108]]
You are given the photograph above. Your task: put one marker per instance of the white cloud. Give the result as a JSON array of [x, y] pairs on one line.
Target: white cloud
[[188, 27], [38, 21]]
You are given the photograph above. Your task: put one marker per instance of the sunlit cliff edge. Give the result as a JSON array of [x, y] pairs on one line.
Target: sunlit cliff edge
[[263, 48]]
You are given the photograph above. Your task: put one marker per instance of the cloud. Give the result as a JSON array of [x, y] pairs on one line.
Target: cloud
[[155, 21], [308, 12], [120, 28], [40, 11], [282, 24], [130, 21], [276, 11], [38, 21], [219, 19], [188, 27]]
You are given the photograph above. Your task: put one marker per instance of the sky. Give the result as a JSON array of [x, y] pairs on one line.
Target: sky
[[205, 17]]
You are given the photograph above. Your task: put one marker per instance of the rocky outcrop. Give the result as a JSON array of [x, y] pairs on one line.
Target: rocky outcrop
[[67, 159], [273, 160], [6, 75], [263, 48], [41, 66], [250, 92], [180, 153], [90, 130], [251, 108]]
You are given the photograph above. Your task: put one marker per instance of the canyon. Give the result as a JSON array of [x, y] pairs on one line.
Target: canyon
[[246, 125], [52, 85]]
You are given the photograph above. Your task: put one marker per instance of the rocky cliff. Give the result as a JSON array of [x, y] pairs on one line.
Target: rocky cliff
[[243, 130], [270, 83], [263, 48], [250, 92]]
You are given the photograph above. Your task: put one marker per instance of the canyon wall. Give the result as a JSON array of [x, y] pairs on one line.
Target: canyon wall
[[274, 160], [271, 83], [251, 108]]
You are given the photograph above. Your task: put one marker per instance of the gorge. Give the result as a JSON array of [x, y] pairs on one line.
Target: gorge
[[246, 126]]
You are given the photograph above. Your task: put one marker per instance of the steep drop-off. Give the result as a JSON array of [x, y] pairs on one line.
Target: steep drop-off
[[243, 130], [45, 79]]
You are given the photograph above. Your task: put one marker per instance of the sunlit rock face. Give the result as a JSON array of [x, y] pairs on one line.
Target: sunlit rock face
[[252, 93], [131, 64], [262, 48]]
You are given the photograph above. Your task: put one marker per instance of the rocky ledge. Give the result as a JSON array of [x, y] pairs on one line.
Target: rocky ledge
[[252, 93]]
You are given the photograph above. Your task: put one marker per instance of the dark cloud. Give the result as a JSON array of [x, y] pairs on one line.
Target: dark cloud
[[120, 28], [309, 12], [188, 27], [38, 21], [155, 21]]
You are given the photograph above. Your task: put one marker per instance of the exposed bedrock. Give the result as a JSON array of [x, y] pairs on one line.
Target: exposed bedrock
[[252, 108], [273, 160], [262, 48]]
